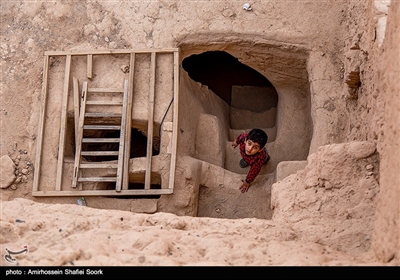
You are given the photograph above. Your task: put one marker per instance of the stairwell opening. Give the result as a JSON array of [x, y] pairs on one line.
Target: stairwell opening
[[138, 149], [230, 89], [138, 144]]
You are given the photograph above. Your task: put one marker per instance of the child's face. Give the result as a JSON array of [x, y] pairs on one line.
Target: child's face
[[251, 148]]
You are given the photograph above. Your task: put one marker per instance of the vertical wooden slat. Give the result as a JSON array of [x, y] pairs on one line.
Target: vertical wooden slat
[[64, 105], [78, 143], [89, 69], [150, 122], [175, 122], [39, 143], [122, 138], [76, 106], [125, 173]]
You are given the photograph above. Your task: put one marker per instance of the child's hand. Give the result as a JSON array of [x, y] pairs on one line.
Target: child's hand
[[234, 144], [245, 187]]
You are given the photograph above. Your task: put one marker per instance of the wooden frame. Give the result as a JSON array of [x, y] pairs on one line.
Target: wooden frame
[[59, 188]]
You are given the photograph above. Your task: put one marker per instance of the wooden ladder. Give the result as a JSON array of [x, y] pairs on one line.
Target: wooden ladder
[[99, 112]]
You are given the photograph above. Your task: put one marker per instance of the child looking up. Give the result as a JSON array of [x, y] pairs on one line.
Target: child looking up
[[253, 152]]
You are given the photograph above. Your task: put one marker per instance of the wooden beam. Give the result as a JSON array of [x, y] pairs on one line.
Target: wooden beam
[[76, 106], [102, 192], [99, 153], [78, 144], [39, 140], [63, 127], [99, 165], [89, 70], [104, 102], [105, 52], [122, 139], [97, 179], [150, 123], [121, 90], [125, 173], [175, 127]]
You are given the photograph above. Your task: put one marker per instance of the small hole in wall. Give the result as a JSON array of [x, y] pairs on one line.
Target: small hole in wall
[[139, 144]]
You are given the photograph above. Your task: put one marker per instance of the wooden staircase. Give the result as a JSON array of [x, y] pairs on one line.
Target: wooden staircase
[[93, 116]]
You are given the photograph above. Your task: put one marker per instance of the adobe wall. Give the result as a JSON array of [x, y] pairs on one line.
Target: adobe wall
[[386, 238], [342, 43], [276, 48]]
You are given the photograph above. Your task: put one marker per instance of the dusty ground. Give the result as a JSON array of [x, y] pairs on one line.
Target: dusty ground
[[341, 209], [327, 223], [84, 236]]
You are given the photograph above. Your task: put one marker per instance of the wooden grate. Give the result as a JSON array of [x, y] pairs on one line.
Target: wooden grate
[[68, 181]]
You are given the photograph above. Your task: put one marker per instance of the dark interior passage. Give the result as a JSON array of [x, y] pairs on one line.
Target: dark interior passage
[[220, 71], [138, 144]]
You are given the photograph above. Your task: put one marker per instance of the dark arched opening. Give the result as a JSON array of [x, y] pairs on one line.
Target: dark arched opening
[[221, 72]]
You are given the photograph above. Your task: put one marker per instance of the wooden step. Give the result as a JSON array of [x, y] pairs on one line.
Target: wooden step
[[103, 115], [97, 179], [102, 90], [102, 127], [98, 153], [98, 165], [100, 140], [105, 102]]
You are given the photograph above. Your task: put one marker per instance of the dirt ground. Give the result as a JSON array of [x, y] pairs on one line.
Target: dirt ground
[[329, 199]]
